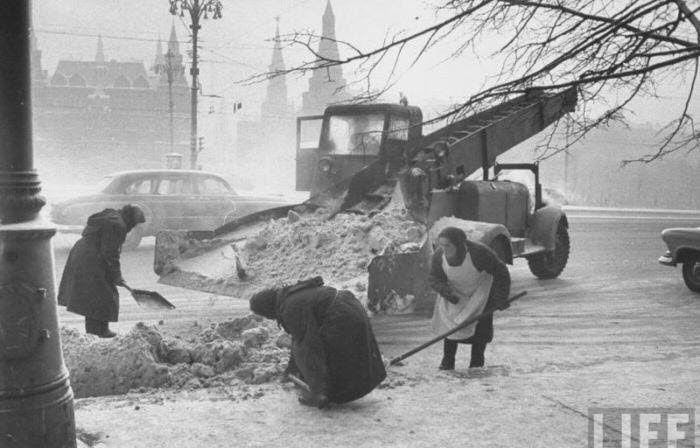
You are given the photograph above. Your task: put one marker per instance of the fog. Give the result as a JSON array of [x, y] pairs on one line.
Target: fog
[[232, 49]]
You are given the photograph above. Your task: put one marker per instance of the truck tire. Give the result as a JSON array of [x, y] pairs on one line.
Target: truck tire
[[691, 272], [497, 246], [133, 238], [550, 264]]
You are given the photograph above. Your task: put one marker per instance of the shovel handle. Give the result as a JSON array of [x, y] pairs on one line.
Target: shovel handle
[[457, 328], [299, 382]]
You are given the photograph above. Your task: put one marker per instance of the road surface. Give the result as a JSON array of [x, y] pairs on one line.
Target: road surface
[[617, 329]]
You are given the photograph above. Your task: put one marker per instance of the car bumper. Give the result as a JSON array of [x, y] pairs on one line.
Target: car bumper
[[667, 260]]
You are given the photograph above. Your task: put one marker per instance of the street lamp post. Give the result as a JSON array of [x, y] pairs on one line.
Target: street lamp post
[[197, 9], [170, 71], [36, 400]]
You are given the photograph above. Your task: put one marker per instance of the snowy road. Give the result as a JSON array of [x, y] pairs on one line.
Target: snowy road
[[616, 330]]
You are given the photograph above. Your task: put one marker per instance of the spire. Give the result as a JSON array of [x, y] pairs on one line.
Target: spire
[[275, 105], [277, 59], [328, 22], [159, 59], [173, 44], [100, 56], [326, 85]]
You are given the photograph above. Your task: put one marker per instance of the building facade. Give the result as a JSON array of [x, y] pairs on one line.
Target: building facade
[[100, 116]]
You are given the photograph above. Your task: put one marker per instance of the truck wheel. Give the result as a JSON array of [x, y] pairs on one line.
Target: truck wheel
[[133, 238], [550, 264], [497, 246], [691, 272]]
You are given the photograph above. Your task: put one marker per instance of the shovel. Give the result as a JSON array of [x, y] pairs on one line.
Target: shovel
[[150, 299], [466, 323]]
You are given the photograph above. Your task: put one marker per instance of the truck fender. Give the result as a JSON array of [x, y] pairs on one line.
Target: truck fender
[[483, 232], [544, 224]]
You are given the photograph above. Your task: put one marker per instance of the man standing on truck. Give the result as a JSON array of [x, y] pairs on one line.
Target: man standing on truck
[[333, 346], [469, 277], [93, 270]]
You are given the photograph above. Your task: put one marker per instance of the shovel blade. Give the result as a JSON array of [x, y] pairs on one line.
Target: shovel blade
[[151, 299]]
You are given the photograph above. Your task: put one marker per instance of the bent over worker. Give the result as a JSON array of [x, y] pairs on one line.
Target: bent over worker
[[333, 346], [469, 277], [93, 270]]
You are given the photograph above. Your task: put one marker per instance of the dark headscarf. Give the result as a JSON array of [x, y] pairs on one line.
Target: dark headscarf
[[132, 216], [264, 303], [458, 238]]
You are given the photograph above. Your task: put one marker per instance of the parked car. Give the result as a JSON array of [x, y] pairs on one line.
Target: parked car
[[171, 199], [684, 247]]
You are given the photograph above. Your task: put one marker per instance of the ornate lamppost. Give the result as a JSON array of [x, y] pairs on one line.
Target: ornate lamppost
[[36, 401], [170, 71], [197, 10]]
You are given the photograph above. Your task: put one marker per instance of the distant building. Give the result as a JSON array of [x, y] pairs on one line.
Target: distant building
[[95, 117], [265, 149], [326, 85], [265, 154]]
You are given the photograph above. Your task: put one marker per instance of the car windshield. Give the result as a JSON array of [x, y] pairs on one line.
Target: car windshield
[[355, 134]]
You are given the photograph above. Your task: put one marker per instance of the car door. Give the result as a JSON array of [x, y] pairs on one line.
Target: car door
[[171, 201], [215, 201]]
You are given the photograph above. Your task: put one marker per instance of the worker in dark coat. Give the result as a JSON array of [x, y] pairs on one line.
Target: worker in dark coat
[[93, 270], [333, 346], [469, 278]]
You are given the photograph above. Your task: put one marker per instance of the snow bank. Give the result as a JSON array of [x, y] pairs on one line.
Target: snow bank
[[243, 350]]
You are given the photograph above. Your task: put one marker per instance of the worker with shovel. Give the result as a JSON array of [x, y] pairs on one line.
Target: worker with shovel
[[93, 270], [469, 277], [335, 356]]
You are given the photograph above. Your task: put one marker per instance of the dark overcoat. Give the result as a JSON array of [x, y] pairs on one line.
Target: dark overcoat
[[484, 259], [333, 345], [92, 270]]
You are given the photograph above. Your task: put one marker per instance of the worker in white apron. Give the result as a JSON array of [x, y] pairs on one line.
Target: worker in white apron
[[468, 277]]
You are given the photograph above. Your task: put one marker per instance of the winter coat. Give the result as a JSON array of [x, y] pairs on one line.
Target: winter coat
[[333, 345], [88, 284], [484, 259]]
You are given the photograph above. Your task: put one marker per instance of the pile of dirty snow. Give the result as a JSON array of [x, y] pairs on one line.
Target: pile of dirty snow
[[246, 350], [301, 246]]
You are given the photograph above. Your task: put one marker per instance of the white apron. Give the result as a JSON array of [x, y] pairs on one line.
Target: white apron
[[472, 287]]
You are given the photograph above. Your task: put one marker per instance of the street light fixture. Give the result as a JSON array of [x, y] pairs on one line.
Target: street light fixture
[[197, 10]]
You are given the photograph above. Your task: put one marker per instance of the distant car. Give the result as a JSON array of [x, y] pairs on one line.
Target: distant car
[[684, 247], [171, 199]]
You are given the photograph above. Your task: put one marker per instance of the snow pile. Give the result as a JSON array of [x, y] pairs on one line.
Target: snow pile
[[302, 246], [243, 350]]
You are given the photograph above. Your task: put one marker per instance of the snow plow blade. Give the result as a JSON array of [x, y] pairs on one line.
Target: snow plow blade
[[398, 283], [211, 261]]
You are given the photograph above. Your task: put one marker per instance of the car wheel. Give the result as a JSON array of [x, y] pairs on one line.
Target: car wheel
[[133, 238], [550, 264], [691, 272]]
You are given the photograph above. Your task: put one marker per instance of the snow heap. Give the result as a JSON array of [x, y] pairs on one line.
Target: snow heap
[[243, 350], [339, 249]]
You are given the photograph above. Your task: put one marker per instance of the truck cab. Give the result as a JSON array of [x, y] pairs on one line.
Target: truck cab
[[353, 137]]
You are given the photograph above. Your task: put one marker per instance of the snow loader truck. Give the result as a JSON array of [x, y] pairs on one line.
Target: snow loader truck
[[373, 156]]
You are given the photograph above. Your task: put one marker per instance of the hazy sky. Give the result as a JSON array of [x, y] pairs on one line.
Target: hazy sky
[[238, 46]]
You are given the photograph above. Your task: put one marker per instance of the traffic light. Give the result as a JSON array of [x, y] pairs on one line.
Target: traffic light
[[201, 143]]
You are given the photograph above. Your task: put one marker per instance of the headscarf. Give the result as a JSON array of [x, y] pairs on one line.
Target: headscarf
[[458, 238], [132, 216], [264, 303]]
